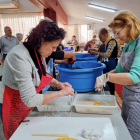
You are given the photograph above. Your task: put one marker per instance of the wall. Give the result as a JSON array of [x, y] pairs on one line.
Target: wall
[[80, 31], [72, 20]]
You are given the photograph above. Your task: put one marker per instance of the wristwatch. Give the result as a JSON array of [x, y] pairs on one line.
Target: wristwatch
[[106, 77]]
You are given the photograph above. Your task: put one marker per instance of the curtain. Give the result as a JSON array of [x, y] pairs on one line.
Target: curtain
[[19, 23]]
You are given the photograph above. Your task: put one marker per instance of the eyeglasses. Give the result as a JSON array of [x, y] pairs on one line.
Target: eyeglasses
[[116, 35]]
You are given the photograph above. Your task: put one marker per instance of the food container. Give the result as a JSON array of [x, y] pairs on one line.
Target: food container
[[89, 109], [69, 48], [60, 104]]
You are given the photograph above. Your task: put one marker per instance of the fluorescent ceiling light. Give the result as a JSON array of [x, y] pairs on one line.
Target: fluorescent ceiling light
[[9, 4], [101, 7], [94, 18], [41, 4]]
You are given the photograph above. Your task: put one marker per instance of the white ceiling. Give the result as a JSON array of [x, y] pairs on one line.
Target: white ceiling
[[25, 6], [77, 9]]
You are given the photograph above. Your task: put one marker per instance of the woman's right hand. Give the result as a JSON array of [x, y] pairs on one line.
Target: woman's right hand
[[90, 50], [67, 91], [47, 98]]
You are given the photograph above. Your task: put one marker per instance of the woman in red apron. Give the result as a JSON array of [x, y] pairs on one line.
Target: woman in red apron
[[42, 41]]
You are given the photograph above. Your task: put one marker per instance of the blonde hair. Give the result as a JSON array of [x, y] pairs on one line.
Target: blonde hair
[[127, 18]]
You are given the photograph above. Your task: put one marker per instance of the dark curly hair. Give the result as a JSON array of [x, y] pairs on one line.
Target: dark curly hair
[[47, 30]]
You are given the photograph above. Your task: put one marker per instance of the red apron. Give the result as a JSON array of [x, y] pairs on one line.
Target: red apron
[[14, 110]]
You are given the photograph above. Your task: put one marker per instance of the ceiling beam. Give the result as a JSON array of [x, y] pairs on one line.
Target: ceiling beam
[[53, 5]]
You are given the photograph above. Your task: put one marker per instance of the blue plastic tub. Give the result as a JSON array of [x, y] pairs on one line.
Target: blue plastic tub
[[86, 57], [82, 79], [69, 48]]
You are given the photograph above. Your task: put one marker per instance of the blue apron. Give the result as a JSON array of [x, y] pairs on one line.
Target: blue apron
[[131, 97], [110, 64]]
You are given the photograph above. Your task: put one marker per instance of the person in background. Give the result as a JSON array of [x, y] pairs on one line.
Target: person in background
[[7, 42], [19, 36], [58, 58], [25, 76], [94, 36], [61, 46], [126, 26], [108, 53], [71, 57], [70, 42], [90, 44], [74, 42]]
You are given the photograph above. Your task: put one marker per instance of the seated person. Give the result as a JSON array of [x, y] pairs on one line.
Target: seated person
[[90, 44], [74, 42]]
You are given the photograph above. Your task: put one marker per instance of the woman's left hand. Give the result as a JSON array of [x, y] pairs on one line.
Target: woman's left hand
[[63, 85]]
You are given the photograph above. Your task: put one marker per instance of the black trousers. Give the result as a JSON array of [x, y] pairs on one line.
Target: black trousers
[[112, 88]]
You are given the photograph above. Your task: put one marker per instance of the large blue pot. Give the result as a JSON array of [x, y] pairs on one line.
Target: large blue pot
[[86, 57], [82, 80]]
